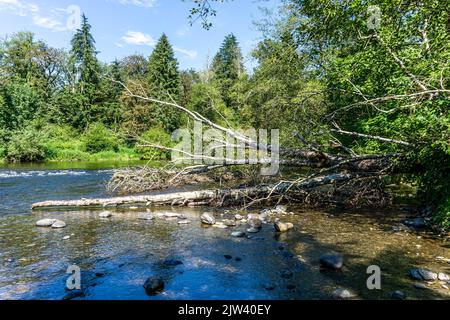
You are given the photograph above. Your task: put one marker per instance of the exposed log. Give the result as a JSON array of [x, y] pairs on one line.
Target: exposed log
[[203, 197]]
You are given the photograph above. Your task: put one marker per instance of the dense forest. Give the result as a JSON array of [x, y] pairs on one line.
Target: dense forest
[[336, 77]]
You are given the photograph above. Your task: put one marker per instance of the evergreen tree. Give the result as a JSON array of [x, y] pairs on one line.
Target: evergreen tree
[[164, 81], [84, 57], [228, 67]]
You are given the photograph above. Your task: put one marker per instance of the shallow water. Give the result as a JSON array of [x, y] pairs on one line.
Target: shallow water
[[117, 255]]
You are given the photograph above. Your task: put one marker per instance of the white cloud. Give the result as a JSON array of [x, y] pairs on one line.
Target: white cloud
[[139, 3], [18, 7], [191, 54], [48, 23], [138, 38]]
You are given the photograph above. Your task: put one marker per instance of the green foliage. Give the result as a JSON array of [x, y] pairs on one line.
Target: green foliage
[[26, 146], [98, 138], [155, 136]]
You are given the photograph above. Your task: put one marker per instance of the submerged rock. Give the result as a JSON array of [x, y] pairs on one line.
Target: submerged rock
[[283, 227], [417, 223], [343, 294], [45, 222], [238, 234], [229, 223], [184, 222], [255, 223], [105, 214], [269, 286], [334, 261], [287, 274], [398, 295], [74, 294], [146, 216], [154, 285], [422, 274], [420, 286], [172, 262], [253, 230], [172, 215], [208, 219]]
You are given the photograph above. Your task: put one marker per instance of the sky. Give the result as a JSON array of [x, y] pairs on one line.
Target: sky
[[124, 27]]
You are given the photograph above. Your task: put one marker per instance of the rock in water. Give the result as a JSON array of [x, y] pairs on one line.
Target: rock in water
[[334, 261], [105, 214], [238, 234], [208, 219], [398, 295], [146, 216], [443, 277], [59, 224], [342, 294], [154, 285], [74, 294], [418, 223], [229, 223], [45, 222], [423, 274], [238, 217], [172, 263], [283, 227], [253, 230], [255, 223], [420, 286], [184, 222]]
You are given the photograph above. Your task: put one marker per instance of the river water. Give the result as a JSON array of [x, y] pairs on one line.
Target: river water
[[117, 255]]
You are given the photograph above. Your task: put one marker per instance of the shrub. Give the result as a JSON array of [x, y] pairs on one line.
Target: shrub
[[98, 138], [156, 136], [26, 146]]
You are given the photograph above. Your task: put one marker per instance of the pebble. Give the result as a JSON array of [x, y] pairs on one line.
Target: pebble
[[238, 217], [420, 286], [398, 295], [342, 294]]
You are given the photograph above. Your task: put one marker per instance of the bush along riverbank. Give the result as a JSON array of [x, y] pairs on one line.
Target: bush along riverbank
[[63, 143]]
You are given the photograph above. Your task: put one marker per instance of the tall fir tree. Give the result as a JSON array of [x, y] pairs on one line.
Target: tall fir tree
[[165, 82], [84, 56], [228, 66]]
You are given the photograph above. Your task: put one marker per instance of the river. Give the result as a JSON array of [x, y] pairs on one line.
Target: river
[[117, 255]]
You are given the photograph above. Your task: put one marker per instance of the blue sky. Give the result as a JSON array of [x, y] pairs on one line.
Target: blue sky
[[123, 27]]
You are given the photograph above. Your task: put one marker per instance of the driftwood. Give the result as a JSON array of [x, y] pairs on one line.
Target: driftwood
[[202, 197]]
